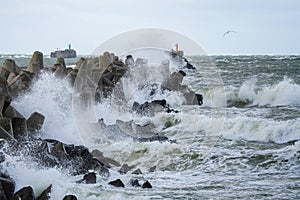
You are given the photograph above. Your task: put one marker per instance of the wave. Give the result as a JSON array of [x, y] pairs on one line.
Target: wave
[[284, 93], [261, 130]]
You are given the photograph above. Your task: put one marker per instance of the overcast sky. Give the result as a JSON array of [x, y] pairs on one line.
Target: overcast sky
[[261, 26]]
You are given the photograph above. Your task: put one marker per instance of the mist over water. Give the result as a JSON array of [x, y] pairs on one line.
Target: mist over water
[[255, 155]]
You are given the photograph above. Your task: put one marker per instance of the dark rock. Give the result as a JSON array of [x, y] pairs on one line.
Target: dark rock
[[70, 197], [6, 135], [11, 112], [59, 151], [10, 65], [5, 101], [20, 82], [104, 172], [134, 183], [117, 183], [104, 160], [46, 194], [7, 187], [147, 185], [200, 99], [90, 178], [5, 123], [19, 127], [36, 63], [35, 122], [3, 85], [150, 108], [157, 137], [4, 73], [61, 61], [152, 169], [11, 77], [129, 61], [125, 168], [60, 71], [26, 193], [137, 171]]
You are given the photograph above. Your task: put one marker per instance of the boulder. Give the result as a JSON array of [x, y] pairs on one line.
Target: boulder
[[90, 178], [35, 122], [70, 197], [60, 71], [134, 183], [117, 183], [129, 61], [4, 73], [20, 82], [26, 193], [146, 184], [71, 77], [6, 135], [79, 62], [104, 172], [152, 169], [46, 194], [125, 168], [7, 187], [5, 101], [4, 88], [137, 171], [11, 77], [10, 65], [19, 128], [6, 124], [104, 160], [11, 112], [61, 61], [36, 63]]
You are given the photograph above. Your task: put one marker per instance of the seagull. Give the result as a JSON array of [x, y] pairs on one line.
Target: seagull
[[227, 32]]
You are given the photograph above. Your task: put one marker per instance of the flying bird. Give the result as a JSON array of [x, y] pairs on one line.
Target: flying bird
[[227, 32]]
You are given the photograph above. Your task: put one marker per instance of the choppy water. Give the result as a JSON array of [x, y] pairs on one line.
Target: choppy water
[[249, 155]]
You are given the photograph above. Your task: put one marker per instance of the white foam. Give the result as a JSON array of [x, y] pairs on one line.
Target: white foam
[[262, 130], [284, 93], [50, 96]]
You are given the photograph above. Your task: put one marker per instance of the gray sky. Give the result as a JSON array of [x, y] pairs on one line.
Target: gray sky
[[262, 26]]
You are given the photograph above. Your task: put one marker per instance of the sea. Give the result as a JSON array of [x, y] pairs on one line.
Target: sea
[[242, 143]]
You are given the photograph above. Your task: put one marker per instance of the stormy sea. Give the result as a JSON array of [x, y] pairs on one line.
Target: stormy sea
[[241, 143]]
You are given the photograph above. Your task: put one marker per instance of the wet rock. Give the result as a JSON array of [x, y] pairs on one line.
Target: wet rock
[[150, 108], [36, 63], [104, 160], [46, 194], [134, 183], [90, 178], [7, 187], [35, 122], [5, 101], [137, 171], [104, 172], [129, 61], [70, 197], [61, 61], [26, 193], [60, 71], [152, 169], [157, 137], [10, 77], [79, 63], [10, 65], [20, 82], [4, 73], [11, 112], [125, 168], [117, 183], [146, 184], [6, 135], [71, 77], [19, 128], [3, 85], [59, 151], [5, 123]]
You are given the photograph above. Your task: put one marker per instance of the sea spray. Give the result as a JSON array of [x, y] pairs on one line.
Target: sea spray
[[52, 97]]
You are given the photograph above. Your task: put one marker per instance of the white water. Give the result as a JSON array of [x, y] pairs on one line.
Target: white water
[[284, 93]]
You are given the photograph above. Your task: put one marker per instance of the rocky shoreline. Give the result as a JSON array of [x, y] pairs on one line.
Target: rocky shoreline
[[93, 80]]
